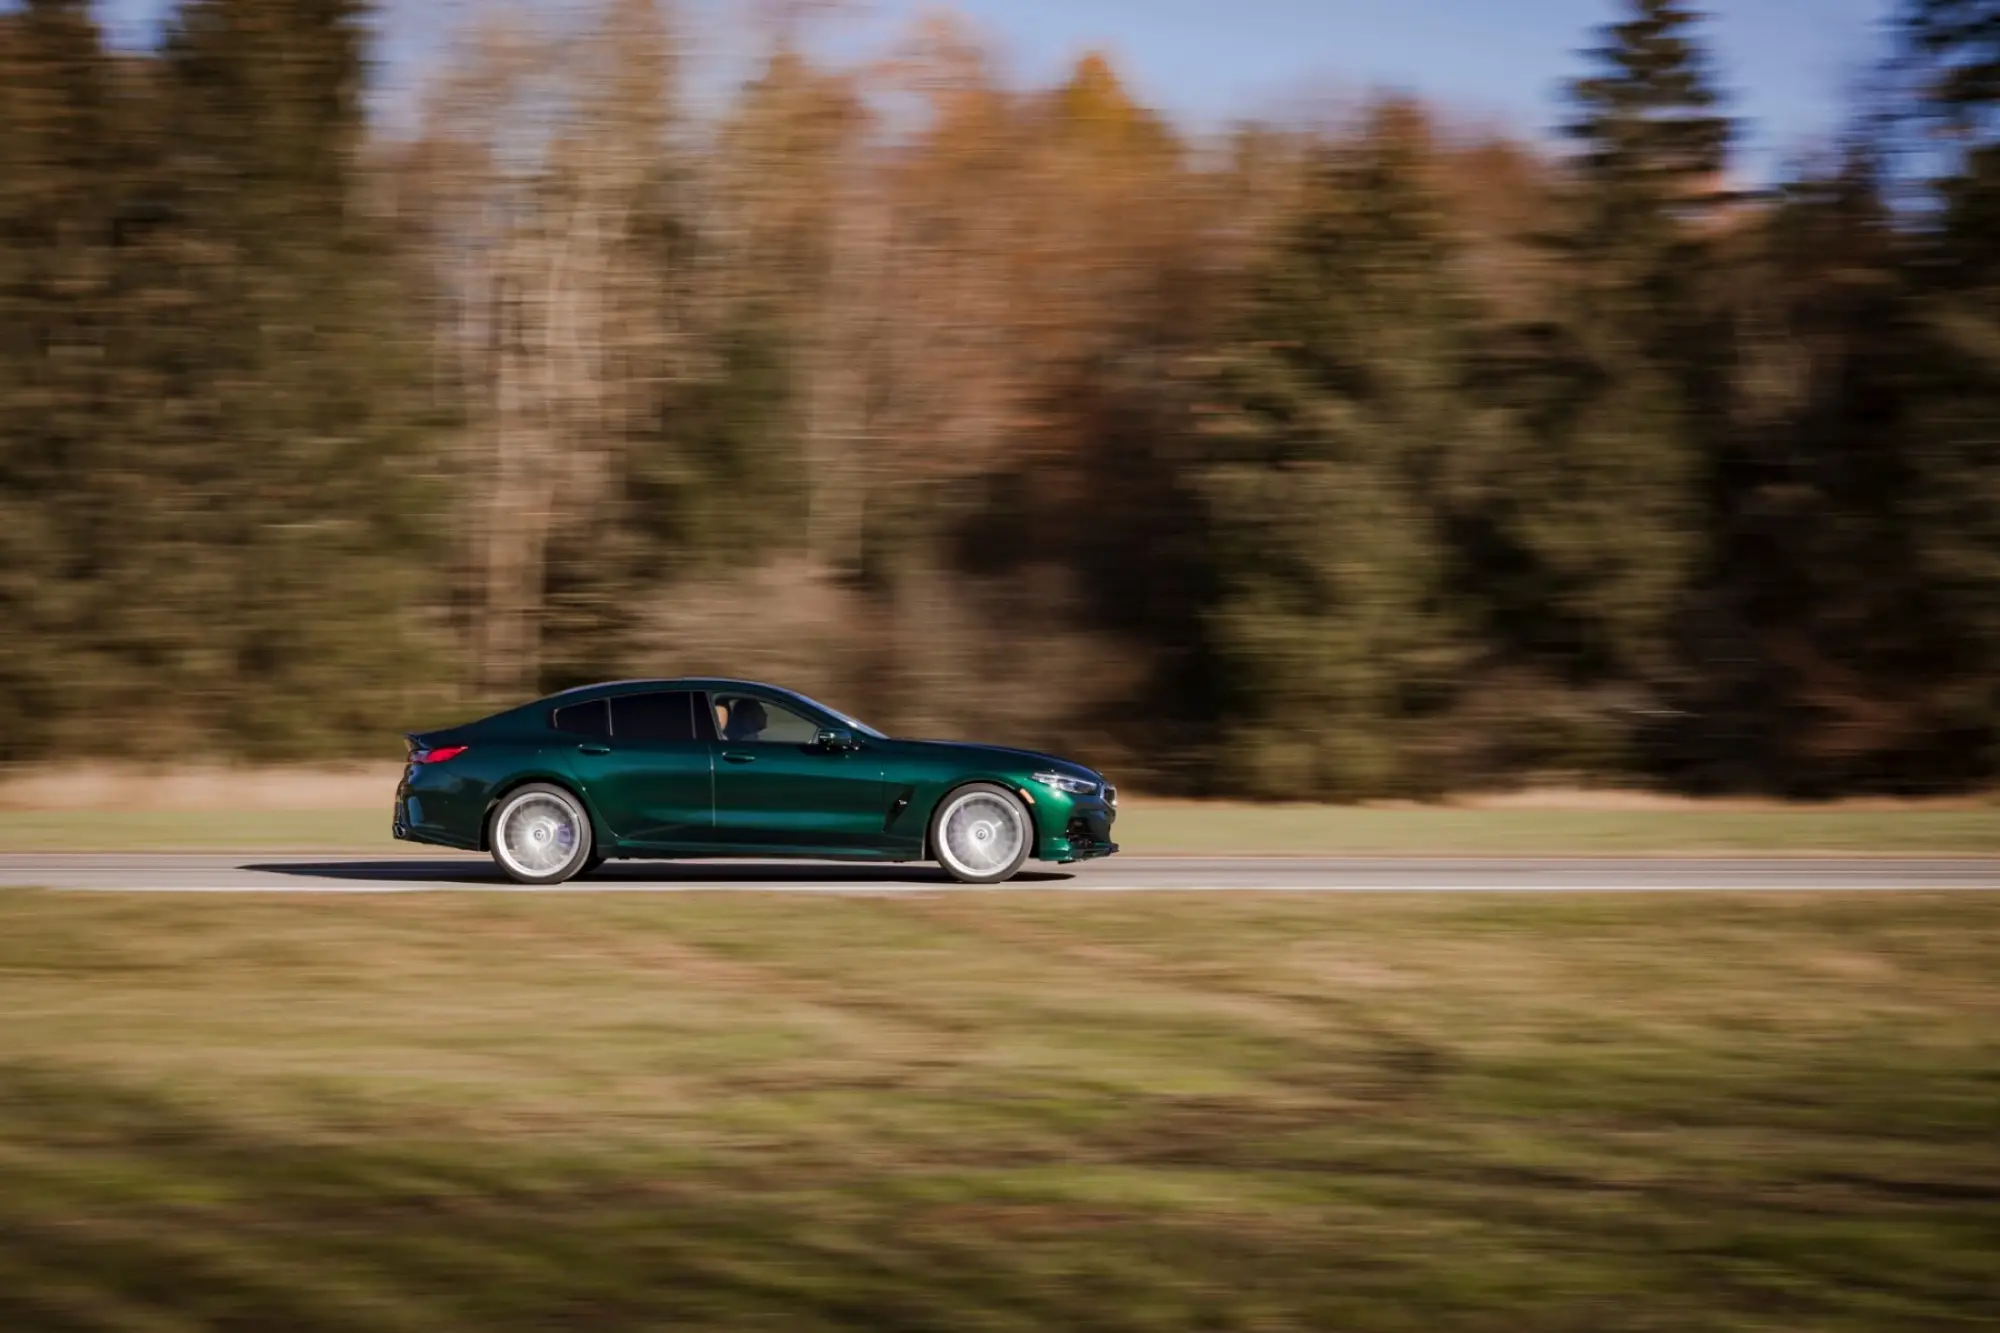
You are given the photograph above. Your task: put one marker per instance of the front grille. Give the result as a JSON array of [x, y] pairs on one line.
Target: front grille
[[1110, 794]]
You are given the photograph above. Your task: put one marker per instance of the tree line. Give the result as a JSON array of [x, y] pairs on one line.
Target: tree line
[[1383, 456]]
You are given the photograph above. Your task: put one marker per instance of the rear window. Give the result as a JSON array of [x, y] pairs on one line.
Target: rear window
[[591, 719], [654, 717]]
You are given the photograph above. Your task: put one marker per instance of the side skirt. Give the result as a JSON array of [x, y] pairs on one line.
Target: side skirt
[[625, 851]]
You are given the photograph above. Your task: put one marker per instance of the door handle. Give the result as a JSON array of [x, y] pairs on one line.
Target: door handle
[[738, 757], [593, 749]]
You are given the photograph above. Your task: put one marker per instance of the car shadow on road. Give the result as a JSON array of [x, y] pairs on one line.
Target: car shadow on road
[[439, 870]]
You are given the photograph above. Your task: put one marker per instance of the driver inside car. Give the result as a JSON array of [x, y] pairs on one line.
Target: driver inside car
[[746, 721]]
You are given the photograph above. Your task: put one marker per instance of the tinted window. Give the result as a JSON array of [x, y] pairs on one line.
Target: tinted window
[[742, 719], [653, 717], [591, 719]]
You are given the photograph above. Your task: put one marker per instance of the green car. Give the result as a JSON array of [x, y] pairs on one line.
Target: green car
[[665, 769]]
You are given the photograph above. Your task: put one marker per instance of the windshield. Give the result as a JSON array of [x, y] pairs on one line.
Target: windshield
[[851, 723]]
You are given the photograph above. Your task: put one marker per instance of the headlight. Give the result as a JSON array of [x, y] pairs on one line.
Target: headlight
[[1064, 782]]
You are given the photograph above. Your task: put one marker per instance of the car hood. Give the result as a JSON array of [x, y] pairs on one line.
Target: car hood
[[1002, 757]]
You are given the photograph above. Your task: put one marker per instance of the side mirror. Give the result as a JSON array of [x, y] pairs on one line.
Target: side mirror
[[836, 739]]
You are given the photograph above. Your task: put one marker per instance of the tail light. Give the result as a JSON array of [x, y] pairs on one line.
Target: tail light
[[439, 755]]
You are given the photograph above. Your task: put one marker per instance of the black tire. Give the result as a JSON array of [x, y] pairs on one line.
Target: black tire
[[982, 834], [540, 834], [591, 866]]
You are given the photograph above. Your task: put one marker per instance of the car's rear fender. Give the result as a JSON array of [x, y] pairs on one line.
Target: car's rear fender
[[601, 837]]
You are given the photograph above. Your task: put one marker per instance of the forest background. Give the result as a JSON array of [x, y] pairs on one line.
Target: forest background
[[1384, 456]]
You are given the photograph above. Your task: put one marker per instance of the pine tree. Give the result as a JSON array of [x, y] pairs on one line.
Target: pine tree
[[1652, 142], [269, 446], [1328, 416], [1955, 44], [1850, 631], [62, 118], [1954, 440], [1591, 537]]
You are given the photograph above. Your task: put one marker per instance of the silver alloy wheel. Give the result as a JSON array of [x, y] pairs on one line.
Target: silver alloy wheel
[[981, 834], [537, 834]]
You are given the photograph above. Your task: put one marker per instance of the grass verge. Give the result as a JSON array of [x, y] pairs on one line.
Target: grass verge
[[1448, 830], [984, 1112]]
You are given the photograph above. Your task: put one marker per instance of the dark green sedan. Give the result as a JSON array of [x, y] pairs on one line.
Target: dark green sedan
[[664, 769]]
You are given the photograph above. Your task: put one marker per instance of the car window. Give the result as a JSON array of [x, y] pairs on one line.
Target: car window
[[853, 724], [663, 717], [586, 719], [742, 719]]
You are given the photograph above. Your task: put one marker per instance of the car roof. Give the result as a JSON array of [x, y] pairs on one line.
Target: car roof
[[604, 689]]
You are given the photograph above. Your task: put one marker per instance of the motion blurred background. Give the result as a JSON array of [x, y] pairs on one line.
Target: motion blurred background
[[364, 367], [1603, 418]]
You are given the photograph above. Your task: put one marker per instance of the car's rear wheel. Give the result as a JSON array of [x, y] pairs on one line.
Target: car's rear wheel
[[540, 835], [981, 834]]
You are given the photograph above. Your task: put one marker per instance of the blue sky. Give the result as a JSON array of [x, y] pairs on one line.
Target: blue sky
[[1787, 63]]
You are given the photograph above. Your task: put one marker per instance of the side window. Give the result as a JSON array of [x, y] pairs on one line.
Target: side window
[[591, 719], [741, 719], [653, 717]]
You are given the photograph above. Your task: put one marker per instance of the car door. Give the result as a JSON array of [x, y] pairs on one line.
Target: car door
[[648, 772], [777, 789]]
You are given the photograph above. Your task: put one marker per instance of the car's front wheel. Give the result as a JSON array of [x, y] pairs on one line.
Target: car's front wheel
[[981, 834], [540, 835]]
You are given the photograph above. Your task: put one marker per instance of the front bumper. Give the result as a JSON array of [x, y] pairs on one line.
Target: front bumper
[[1075, 830], [1083, 847]]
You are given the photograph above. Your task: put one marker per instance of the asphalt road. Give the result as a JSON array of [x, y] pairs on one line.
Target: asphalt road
[[329, 874]]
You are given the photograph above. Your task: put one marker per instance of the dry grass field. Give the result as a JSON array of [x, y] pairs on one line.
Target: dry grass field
[[1217, 1112]]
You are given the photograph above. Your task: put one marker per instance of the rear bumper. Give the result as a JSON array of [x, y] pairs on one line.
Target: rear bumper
[[408, 823]]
